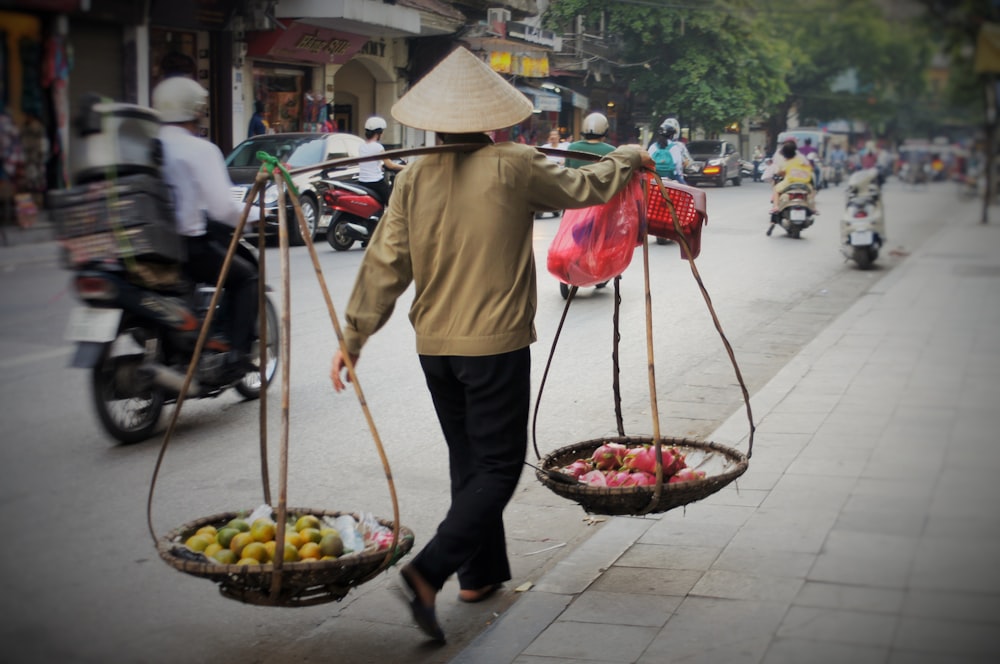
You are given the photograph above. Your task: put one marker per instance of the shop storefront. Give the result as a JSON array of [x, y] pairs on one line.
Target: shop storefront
[[288, 74]]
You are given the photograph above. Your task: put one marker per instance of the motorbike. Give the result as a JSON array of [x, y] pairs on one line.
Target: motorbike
[[354, 210], [793, 212], [862, 228], [137, 339]]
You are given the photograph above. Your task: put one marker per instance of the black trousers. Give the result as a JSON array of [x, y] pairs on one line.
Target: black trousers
[[482, 404], [204, 263]]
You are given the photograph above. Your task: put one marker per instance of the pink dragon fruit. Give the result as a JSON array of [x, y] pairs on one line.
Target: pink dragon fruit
[[609, 456], [687, 475], [641, 478], [578, 468], [619, 478], [594, 478]]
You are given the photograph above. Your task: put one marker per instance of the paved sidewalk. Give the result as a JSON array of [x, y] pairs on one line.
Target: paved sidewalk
[[867, 528]]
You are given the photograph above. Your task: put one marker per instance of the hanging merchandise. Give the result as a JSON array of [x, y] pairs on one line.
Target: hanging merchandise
[[595, 244], [57, 65], [626, 474]]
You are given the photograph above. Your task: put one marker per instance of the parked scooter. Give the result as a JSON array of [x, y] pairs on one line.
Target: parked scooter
[[354, 210], [138, 341], [862, 228], [794, 211]]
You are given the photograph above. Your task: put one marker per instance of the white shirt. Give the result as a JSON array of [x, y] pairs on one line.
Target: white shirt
[[370, 171], [195, 171]]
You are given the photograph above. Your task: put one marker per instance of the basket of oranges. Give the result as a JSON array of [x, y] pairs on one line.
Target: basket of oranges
[[318, 555]]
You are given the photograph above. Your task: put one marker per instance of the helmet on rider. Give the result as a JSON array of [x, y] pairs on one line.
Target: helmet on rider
[[374, 124], [179, 99], [671, 123], [594, 125]]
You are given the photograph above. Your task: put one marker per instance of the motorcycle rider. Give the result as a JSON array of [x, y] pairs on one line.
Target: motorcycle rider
[[594, 129], [666, 140], [195, 171], [371, 174], [792, 168]]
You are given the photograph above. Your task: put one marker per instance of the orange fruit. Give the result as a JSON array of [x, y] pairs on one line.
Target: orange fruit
[[294, 538], [248, 561], [331, 545], [198, 542], [239, 524], [207, 530], [310, 535], [307, 521], [262, 530], [212, 549], [239, 541], [226, 557], [255, 550], [310, 551], [225, 536]]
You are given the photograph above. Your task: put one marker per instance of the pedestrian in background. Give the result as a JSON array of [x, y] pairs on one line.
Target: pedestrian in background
[[459, 227], [258, 125], [593, 130]]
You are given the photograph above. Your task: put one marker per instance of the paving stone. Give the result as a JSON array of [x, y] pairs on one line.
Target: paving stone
[[621, 608], [582, 641], [820, 624], [704, 630], [820, 594], [647, 580], [669, 556], [765, 563], [797, 651], [955, 638], [947, 605], [503, 640], [740, 585]]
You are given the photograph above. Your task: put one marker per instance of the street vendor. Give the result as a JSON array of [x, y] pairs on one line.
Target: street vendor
[[459, 226]]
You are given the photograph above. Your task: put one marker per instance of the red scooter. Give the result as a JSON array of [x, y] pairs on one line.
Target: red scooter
[[354, 211]]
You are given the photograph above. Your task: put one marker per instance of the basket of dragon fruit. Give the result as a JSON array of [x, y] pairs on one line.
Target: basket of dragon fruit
[[619, 475]]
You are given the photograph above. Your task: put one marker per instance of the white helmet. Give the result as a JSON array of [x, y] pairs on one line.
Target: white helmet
[[375, 123], [671, 123], [594, 124], [179, 99]]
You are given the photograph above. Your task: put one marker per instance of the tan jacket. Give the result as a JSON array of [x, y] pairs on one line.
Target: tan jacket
[[460, 227]]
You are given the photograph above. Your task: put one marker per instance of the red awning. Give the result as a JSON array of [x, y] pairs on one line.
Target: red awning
[[301, 41]]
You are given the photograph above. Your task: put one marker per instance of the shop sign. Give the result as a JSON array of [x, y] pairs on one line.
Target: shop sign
[[301, 41], [375, 49], [534, 35], [521, 65]]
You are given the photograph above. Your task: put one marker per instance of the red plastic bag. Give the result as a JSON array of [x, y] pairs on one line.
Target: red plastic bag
[[690, 206], [595, 244]]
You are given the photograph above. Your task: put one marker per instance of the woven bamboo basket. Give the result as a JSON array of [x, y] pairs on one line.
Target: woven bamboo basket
[[721, 463], [304, 583]]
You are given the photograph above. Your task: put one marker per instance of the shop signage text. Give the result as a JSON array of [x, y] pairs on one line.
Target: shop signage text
[[530, 33], [304, 42]]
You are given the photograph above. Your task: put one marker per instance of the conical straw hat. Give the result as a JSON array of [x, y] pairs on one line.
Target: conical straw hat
[[461, 95]]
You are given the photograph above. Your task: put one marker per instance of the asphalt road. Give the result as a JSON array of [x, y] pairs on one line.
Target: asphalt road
[[81, 580]]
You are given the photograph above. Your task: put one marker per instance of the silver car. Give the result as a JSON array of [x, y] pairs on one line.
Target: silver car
[[294, 150]]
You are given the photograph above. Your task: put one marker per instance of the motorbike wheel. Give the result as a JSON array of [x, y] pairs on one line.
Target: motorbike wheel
[[865, 257], [250, 386], [336, 234], [794, 232], [310, 212], [128, 405]]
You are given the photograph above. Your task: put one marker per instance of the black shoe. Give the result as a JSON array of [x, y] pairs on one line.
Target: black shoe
[[423, 615], [237, 366]]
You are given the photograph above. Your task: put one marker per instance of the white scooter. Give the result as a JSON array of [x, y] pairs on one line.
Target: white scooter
[[862, 228]]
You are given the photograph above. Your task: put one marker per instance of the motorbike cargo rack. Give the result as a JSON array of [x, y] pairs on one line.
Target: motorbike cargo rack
[[723, 464]]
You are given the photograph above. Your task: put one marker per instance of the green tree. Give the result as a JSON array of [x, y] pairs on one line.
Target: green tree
[[709, 65]]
